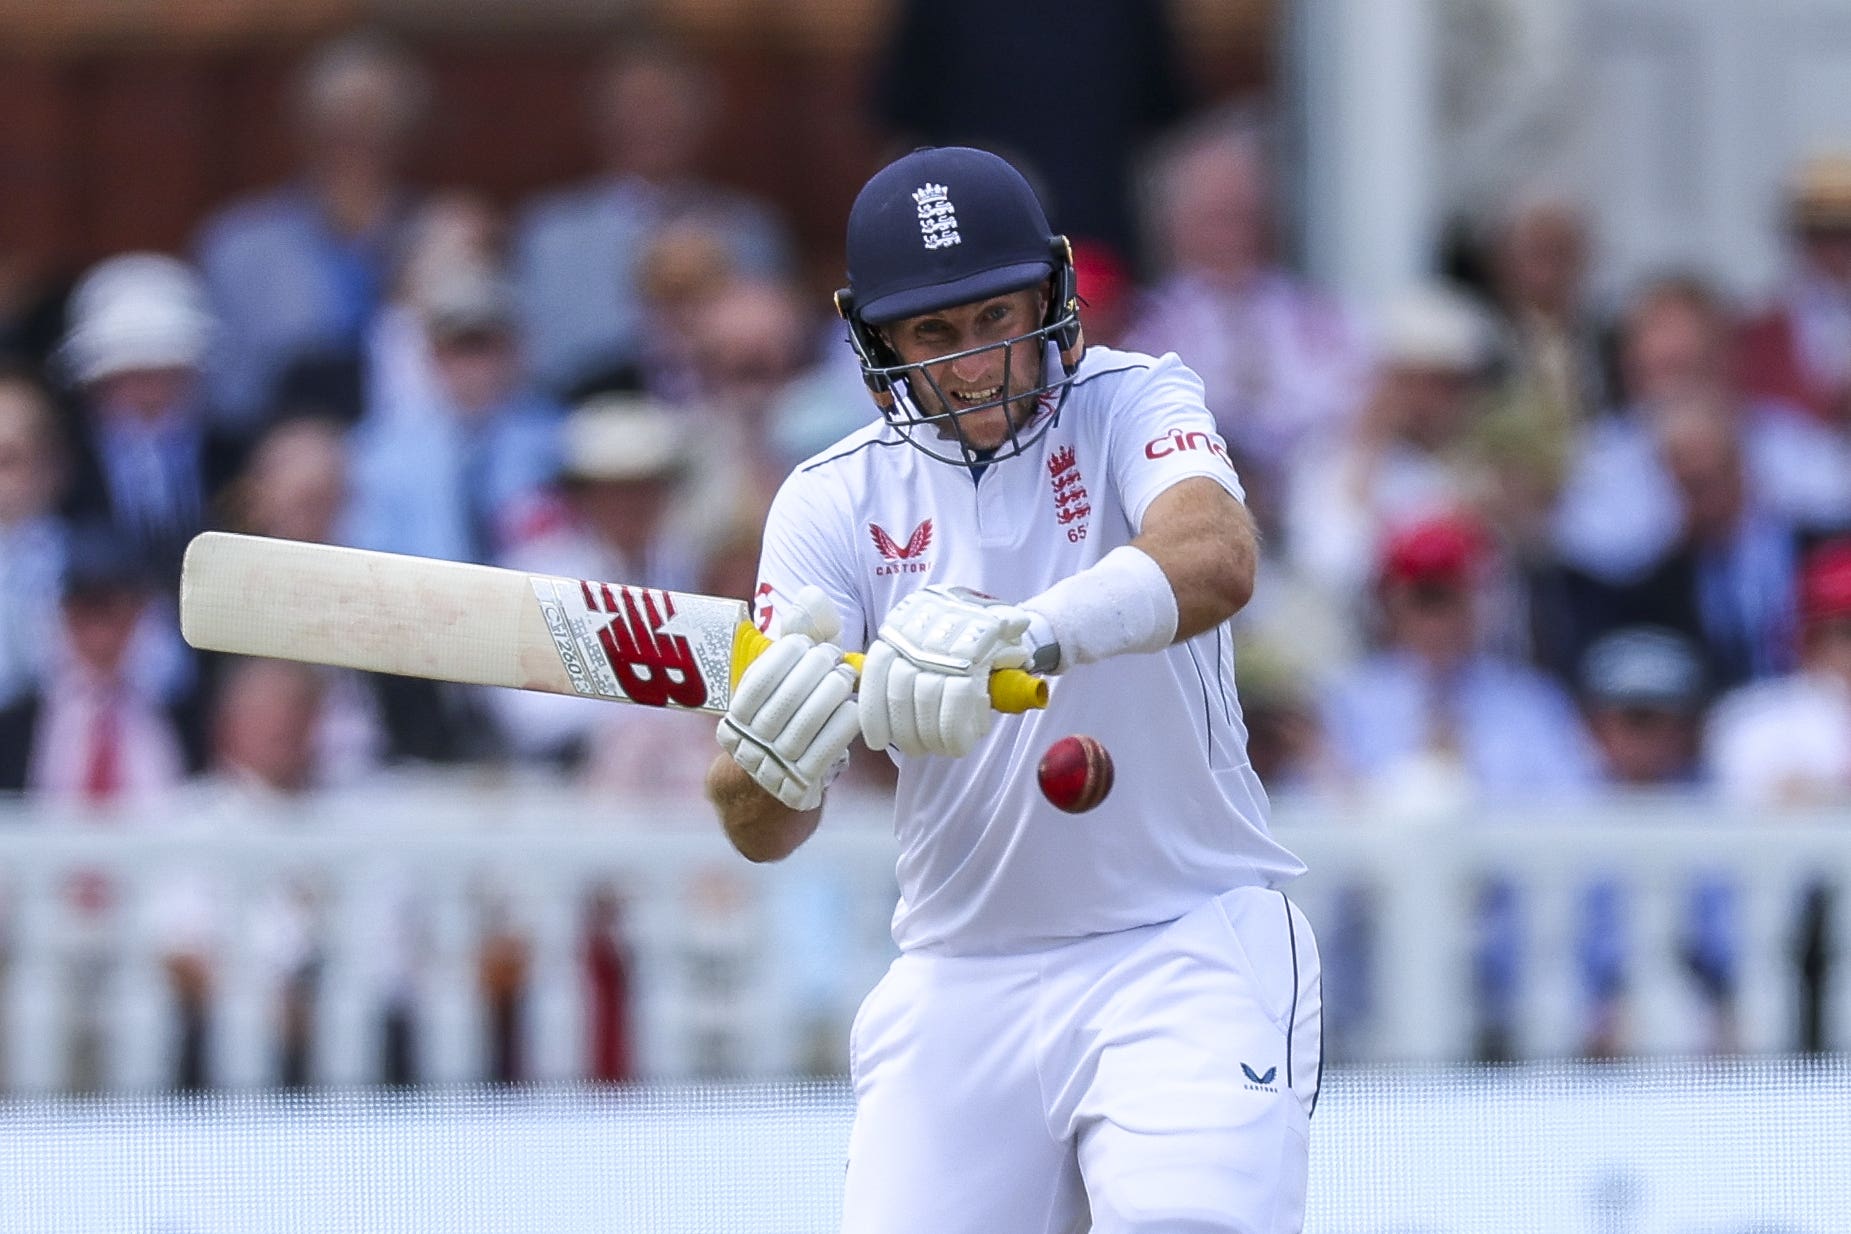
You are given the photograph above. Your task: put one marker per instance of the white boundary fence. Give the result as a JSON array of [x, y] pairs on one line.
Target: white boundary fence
[[744, 970], [1660, 1147]]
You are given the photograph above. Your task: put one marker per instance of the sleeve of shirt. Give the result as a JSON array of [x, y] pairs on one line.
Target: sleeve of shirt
[[803, 544], [1162, 432]]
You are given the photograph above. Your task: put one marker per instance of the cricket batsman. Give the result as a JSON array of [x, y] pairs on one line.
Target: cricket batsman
[[1106, 1021]]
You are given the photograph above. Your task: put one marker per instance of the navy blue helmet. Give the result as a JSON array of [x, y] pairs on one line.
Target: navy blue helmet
[[941, 227]]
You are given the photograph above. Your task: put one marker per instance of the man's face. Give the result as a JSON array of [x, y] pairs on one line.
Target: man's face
[[623, 512], [1542, 259], [1433, 619], [1672, 349], [28, 467], [1828, 250], [1643, 745], [1220, 214], [99, 626], [747, 345], [298, 484], [654, 121], [145, 394], [477, 369], [953, 385], [1827, 646], [267, 722], [1431, 405]]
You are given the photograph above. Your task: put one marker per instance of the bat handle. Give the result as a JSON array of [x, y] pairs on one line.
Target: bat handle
[[1012, 691]]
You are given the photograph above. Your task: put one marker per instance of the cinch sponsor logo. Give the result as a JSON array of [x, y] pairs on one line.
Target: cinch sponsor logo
[[653, 668], [1178, 442], [902, 558]]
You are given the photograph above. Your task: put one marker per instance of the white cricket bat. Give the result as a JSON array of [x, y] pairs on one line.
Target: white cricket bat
[[450, 621]]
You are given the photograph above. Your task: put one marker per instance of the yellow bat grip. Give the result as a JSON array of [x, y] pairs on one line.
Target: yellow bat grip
[[1011, 690]]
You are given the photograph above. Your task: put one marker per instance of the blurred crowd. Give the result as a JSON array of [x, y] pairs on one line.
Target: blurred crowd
[[1521, 545]]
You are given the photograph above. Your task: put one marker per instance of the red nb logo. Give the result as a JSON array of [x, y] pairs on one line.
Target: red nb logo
[[916, 544], [653, 668], [761, 600]]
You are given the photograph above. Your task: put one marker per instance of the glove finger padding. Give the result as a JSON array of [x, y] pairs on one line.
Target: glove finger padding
[[920, 708], [876, 667], [918, 712], [800, 732], [802, 681], [827, 754], [964, 715], [764, 675], [949, 714], [895, 704], [792, 719]]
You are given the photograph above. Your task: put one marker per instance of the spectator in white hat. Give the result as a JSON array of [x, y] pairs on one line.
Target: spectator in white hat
[[616, 518], [147, 459]]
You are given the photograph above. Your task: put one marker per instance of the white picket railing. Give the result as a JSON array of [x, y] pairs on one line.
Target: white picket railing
[[741, 969]]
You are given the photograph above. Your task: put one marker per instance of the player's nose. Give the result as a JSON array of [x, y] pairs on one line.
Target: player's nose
[[971, 370]]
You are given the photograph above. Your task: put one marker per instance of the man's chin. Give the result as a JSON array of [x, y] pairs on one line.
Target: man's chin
[[989, 429]]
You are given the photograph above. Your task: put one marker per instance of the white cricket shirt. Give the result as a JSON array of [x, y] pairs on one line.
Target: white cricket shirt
[[986, 865]]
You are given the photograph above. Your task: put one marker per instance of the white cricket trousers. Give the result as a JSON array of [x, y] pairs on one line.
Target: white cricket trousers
[[1155, 1081]]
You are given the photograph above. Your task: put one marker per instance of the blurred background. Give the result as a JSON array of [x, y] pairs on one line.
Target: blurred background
[[1528, 323]]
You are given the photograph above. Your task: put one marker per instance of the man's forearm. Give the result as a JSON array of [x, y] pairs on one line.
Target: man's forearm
[[1208, 548], [760, 826]]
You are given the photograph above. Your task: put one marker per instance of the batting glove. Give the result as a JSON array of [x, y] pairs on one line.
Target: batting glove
[[793, 716], [925, 687]]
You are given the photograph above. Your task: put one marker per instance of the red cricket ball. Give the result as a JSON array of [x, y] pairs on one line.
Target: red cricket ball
[[1075, 774]]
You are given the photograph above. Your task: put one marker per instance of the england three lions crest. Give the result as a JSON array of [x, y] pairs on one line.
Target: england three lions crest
[[938, 218], [1071, 504]]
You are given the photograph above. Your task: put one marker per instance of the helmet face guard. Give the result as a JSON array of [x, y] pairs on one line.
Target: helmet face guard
[[1053, 351], [907, 393]]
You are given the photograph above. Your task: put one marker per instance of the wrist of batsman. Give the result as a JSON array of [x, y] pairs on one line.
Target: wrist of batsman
[[1121, 604]]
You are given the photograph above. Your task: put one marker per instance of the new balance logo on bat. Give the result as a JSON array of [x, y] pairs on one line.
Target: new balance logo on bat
[[652, 668], [902, 558]]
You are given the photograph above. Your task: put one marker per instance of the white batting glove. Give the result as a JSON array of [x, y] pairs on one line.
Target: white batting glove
[[793, 715], [925, 688]]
